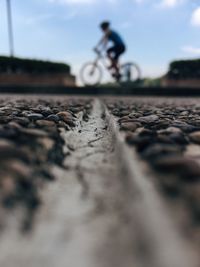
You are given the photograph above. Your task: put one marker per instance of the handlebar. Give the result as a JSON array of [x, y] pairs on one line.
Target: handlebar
[[97, 51]]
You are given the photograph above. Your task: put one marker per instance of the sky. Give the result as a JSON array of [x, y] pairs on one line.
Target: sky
[[155, 31]]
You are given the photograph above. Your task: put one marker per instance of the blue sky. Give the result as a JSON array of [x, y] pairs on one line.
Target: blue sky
[[156, 31]]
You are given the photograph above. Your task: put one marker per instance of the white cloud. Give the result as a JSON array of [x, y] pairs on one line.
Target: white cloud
[[38, 19], [79, 2], [170, 3], [161, 3], [71, 2], [191, 50], [139, 1], [195, 20]]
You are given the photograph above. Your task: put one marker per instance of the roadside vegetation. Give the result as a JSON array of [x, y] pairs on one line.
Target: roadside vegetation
[[32, 66]]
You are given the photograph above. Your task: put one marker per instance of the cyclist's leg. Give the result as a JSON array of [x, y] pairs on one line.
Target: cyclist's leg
[[119, 50], [111, 55], [116, 60]]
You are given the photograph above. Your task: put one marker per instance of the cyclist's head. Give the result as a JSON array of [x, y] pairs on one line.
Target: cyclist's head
[[105, 25]]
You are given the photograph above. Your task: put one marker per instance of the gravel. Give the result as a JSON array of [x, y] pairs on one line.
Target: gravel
[[168, 139], [30, 145], [166, 136]]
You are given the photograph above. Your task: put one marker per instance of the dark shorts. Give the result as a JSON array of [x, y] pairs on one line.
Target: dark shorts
[[116, 51]]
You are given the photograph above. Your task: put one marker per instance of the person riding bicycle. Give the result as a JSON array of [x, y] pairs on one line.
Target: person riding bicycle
[[115, 51]]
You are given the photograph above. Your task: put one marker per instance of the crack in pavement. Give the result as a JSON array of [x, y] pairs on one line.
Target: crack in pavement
[[100, 178], [83, 182]]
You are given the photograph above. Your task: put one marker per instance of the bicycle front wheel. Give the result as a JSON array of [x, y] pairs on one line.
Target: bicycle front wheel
[[130, 72], [91, 74]]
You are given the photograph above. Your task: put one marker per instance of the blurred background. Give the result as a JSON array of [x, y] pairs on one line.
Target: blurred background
[[157, 32]]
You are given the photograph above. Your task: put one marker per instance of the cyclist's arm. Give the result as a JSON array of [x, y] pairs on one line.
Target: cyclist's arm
[[103, 42]]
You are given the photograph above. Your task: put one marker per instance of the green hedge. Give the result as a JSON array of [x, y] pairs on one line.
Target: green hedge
[[17, 65], [184, 69]]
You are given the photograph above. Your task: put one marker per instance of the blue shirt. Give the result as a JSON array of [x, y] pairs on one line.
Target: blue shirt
[[115, 38]]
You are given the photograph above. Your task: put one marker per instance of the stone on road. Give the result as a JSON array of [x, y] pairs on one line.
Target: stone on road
[[99, 183]]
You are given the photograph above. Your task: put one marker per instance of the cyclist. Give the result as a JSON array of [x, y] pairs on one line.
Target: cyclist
[[116, 50]]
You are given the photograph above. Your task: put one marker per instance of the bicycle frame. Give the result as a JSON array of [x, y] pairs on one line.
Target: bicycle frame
[[99, 57], [125, 69], [102, 58]]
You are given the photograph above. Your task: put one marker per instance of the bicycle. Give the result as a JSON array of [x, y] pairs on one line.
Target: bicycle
[[91, 73]]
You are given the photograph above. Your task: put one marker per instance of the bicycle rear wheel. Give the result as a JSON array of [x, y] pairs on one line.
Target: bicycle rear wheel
[[130, 72], [91, 74]]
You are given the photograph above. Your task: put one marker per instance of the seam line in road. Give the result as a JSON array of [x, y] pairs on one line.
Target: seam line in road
[[157, 231]]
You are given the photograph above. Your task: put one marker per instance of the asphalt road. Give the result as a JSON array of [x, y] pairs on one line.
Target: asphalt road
[[102, 207]]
